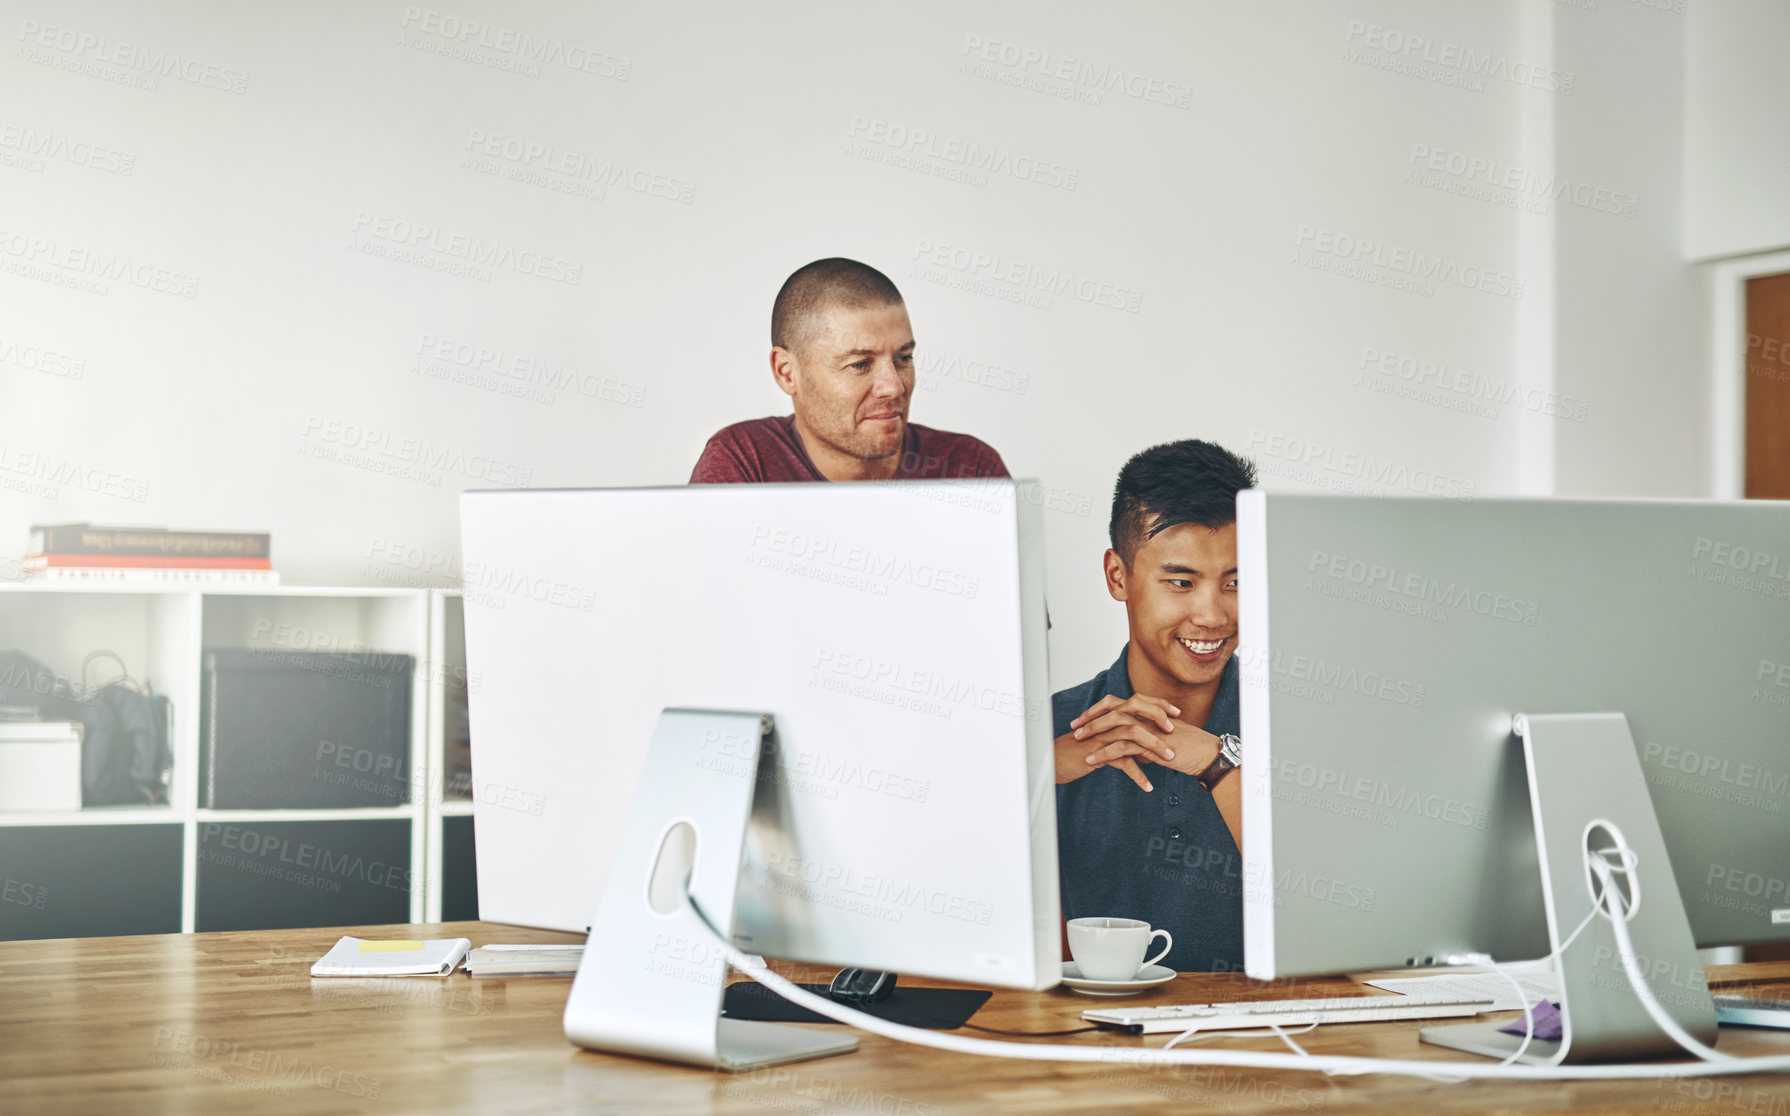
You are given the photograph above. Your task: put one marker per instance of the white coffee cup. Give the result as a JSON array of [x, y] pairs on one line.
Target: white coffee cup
[[1113, 948]]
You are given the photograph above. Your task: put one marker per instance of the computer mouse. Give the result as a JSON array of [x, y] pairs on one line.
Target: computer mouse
[[861, 987]]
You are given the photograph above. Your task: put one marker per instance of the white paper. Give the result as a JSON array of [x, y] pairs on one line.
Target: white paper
[[1537, 985]]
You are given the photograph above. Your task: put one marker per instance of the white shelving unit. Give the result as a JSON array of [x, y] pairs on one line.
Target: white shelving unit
[[161, 634], [447, 655]]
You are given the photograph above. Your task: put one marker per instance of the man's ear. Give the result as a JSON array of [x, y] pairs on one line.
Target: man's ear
[[1116, 575], [783, 369]]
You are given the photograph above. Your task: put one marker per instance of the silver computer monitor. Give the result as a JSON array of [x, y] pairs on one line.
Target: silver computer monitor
[[894, 632], [1385, 646]]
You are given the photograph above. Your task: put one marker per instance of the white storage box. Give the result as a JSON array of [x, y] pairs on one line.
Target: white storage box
[[40, 765]]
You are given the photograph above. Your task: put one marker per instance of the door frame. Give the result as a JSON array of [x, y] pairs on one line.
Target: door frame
[[1727, 363]]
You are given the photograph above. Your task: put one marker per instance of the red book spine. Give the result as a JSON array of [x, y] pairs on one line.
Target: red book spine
[[145, 562]]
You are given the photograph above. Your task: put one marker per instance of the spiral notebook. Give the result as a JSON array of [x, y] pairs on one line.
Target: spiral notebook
[[353, 957]]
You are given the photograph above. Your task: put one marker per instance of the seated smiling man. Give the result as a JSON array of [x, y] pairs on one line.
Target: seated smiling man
[[1149, 812], [843, 351]]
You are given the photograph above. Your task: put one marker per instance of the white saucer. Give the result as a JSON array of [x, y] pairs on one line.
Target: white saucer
[[1148, 977]]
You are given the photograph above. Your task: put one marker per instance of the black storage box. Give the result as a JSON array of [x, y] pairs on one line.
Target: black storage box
[[304, 729]]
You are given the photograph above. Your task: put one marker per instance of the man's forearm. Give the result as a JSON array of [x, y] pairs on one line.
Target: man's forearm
[[1228, 797]]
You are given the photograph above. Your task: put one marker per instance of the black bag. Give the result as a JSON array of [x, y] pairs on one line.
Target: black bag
[[125, 757]]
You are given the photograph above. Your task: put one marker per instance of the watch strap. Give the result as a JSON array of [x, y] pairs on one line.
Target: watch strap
[[1230, 755]]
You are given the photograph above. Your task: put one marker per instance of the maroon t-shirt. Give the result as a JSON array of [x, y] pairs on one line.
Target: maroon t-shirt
[[769, 449]]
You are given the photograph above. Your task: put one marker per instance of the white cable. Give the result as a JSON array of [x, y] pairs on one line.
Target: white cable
[[1574, 936], [1148, 1056], [1285, 1036], [1189, 1036], [1194, 1034], [1553, 958], [1631, 964], [1516, 1055]]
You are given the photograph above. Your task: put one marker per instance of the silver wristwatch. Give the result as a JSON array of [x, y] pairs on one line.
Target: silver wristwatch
[[1230, 754]]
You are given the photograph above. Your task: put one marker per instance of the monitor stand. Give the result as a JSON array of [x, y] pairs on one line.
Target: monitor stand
[[651, 980], [1585, 779]]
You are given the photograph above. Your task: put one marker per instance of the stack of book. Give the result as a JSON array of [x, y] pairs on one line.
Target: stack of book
[[82, 553]]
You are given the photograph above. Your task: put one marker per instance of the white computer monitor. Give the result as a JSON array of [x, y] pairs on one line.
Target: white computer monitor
[[895, 633], [1385, 646]]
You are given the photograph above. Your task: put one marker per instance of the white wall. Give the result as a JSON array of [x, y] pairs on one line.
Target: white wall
[[1624, 310], [1737, 136], [1269, 223]]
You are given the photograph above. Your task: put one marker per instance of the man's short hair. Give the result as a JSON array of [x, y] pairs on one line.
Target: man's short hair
[[1174, 483], [819, 287]]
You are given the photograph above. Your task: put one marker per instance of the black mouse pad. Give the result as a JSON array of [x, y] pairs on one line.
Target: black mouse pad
[[939, 1009]]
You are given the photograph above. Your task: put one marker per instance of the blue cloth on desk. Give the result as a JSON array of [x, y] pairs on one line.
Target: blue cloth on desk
[[1165, 857]]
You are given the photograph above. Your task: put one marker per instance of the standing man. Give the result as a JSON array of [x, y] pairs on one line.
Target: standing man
[[1149, 808], [843, 351]]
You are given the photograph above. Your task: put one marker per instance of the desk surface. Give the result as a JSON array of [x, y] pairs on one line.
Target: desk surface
[[233, 1022]]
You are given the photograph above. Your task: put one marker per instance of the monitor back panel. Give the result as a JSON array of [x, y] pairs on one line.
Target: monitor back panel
[[1387, 643], [896, 633]]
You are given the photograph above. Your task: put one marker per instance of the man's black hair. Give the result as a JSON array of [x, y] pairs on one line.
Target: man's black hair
[[1174, 483], [819, 286]]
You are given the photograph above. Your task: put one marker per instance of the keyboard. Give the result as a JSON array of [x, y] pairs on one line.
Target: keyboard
[[1749, 1012], [1244, 1014]]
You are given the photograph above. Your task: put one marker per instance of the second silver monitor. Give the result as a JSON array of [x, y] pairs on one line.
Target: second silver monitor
[[1385, 646]]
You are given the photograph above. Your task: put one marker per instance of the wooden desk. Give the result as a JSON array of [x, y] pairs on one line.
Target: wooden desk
[[228, 1023]]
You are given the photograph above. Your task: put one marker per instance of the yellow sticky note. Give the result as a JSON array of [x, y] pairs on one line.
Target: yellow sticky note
[[390, 947]]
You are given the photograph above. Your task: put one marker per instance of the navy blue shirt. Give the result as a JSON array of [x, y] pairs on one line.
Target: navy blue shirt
[[1166, 856]]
